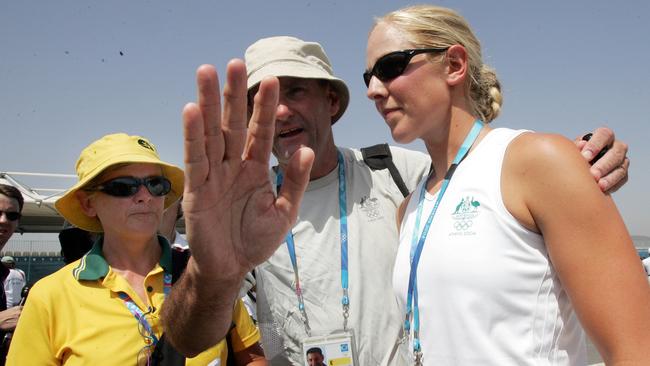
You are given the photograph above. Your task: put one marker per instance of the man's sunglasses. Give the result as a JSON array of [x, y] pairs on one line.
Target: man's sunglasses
[[392, 65], [128, 186], [11, 215]]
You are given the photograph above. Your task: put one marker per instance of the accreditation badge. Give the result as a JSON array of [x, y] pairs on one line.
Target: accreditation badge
[[334, 349]]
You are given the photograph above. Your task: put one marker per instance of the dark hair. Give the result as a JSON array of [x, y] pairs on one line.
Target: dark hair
[[315, 350], [75, 242], [13, 192]]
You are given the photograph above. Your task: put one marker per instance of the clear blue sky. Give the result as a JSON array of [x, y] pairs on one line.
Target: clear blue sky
[[566, 67]]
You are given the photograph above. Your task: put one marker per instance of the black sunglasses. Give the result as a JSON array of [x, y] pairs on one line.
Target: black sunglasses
[[11, 215], [129, 186], [392, 65]]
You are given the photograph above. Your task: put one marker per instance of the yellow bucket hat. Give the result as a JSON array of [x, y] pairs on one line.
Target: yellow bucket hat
[[110, 150]]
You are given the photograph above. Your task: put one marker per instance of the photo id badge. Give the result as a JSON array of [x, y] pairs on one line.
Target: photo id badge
[[334, 349]]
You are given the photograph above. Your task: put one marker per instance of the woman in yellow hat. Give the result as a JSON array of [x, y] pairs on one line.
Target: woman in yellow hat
[[104, 308]]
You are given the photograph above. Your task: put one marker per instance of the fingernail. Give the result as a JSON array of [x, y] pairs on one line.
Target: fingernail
[[603, 185], [588, 154], [596, 173]]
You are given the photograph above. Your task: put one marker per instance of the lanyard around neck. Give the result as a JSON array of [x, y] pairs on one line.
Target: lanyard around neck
[[139, 315], [412, 308], [343, 223]]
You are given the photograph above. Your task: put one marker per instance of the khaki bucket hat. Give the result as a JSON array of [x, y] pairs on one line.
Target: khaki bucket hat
[[110, 150], [293, 57]]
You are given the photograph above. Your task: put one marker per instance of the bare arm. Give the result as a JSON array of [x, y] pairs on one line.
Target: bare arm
[[251, 356], [233, 219], [610, 171], [548, 187], [9, 318]]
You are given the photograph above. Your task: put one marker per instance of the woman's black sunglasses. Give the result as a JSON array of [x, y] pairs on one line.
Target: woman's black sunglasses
[[392, 65], [11, 215], [129, 186]]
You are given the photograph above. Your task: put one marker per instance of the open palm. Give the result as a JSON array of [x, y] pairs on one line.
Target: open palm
[[234, 221]]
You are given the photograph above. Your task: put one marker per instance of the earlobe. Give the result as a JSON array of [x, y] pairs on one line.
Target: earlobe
[[457, 65], [85, 203], [335, 104]]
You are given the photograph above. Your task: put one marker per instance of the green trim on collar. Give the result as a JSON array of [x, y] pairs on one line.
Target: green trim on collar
[[166, 255], [93, 265]]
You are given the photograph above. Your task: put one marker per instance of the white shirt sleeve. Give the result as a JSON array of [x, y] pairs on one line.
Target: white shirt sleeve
[[13, 285]]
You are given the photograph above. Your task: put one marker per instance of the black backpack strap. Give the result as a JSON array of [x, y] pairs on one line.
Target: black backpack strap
[[180, 257], [378, 157], [230, 361], [164, 354]]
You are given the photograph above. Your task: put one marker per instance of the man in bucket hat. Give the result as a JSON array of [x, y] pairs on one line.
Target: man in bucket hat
[[104, 308], [334, 275], [353, 299]]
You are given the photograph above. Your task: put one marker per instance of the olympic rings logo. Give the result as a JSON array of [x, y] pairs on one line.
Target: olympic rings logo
[[462, 225]]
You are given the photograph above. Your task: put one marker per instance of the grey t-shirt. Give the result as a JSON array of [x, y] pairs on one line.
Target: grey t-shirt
[[372, 201]]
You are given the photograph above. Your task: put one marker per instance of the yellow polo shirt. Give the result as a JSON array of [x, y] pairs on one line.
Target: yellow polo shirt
[[76, 317], [243, 335]]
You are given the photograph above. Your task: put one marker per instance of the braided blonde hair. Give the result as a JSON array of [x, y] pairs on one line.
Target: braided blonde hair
[[434, 26]]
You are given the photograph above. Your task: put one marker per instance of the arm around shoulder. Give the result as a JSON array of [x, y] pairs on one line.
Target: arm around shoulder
[[548, 184]]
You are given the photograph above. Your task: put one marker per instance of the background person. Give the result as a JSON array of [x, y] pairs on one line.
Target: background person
[[311, 99], [315, 357], [14, 282], [75, 242], [11, 206], [508, 242], [168, 225]]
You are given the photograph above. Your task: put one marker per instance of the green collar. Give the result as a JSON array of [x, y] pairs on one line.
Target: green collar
[[93, 265]]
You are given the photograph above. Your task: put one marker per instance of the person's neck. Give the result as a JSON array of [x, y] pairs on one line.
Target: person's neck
[[135, 255], [443, 145], [324, 163], [170, 235]]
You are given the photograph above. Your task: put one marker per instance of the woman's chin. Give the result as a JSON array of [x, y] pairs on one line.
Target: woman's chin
[[402, 137]]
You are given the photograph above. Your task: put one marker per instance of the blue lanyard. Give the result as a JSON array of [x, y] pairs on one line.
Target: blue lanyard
[[412, 308], [343, 222], [140, 316]]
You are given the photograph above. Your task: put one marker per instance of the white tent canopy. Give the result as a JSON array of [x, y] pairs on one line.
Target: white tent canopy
[[39, 214]]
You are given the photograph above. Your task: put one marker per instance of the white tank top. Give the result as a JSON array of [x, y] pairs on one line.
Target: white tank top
[[488, 293]]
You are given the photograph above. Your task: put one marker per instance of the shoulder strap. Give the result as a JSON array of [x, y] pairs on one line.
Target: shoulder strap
[[230, 361], [378, 157], [164, 353], [180, 257]]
